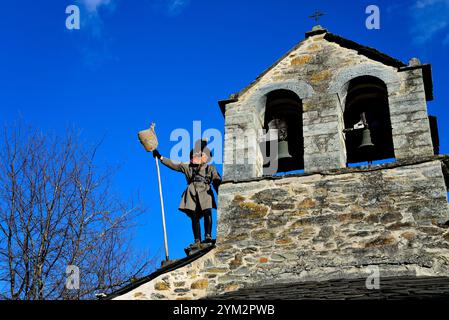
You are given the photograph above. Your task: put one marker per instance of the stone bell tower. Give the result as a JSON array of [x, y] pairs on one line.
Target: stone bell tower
[[338, 215], [327, 74], [345, 107]]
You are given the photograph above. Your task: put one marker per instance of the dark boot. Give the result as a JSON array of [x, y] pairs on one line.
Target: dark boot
[[208, 240], [195, 245]]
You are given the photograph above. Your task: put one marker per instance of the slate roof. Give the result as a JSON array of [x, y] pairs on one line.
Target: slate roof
[[169, 268], [392, 288]]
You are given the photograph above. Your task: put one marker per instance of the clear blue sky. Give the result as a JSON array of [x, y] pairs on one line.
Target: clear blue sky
[[170, 61]]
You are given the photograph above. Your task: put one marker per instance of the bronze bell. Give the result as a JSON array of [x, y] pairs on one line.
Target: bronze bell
[[367, 143], [283, 150], [282, 127]]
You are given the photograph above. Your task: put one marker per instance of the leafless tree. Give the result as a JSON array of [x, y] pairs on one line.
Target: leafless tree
[[57, 210]]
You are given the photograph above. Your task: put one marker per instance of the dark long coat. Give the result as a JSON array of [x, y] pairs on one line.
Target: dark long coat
[[198, 196]]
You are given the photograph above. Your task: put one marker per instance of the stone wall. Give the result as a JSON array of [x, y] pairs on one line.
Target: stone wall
[[331, 225], [324, 142], [409, 117], [320, 226]]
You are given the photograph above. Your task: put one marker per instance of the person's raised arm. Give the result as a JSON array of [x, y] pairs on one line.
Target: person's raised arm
[[167, 162]]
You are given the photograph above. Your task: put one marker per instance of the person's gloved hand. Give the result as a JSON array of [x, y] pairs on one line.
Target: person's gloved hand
[[156, 154]]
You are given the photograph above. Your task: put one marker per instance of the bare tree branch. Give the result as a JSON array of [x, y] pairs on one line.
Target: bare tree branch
[[57, 209]]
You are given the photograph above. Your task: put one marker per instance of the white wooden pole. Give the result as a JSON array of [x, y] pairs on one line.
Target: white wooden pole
[[162, 210]]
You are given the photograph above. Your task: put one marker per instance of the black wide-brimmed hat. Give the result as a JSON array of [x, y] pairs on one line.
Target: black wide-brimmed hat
[[201, 146]]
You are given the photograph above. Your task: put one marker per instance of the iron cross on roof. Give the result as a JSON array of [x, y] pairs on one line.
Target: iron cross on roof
[[317, 16]]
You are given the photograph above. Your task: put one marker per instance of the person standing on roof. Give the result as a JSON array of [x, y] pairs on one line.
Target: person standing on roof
[[198, 198]]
